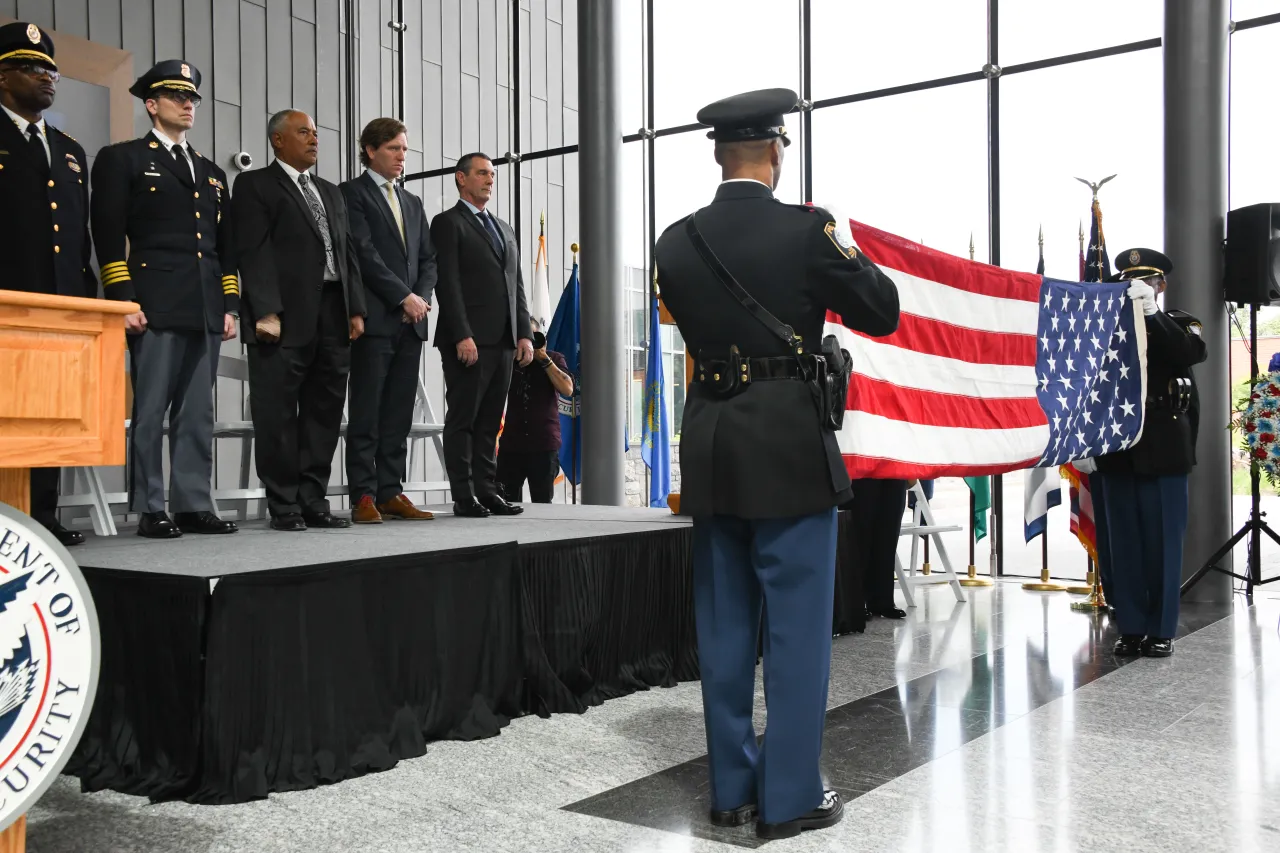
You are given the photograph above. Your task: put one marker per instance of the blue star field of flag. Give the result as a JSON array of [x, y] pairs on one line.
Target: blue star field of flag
[[1088, 370]]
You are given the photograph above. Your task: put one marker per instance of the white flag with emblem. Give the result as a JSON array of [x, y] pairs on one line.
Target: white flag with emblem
[[540, 303]]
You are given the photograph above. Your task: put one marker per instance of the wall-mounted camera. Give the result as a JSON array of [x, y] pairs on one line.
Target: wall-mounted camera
[[242, 161]]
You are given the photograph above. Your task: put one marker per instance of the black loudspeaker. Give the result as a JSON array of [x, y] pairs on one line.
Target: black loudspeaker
[[1253, 255]]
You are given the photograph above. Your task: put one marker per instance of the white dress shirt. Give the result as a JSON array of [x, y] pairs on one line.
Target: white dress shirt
[[330, 271], [22, 128], [184, 145]]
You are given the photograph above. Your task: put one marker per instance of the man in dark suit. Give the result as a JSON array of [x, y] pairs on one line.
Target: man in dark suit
[[303, 306], [163, 234], [44, 219], [399, 277], [761, 469], [483, 328]]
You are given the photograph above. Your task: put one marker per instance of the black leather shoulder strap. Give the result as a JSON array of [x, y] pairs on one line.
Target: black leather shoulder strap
[[780, 330]]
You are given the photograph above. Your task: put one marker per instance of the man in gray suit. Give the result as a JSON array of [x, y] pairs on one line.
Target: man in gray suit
[[483, 329], [398, 265]]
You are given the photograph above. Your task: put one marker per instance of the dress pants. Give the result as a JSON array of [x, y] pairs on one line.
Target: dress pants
[[475, 398], [384, 389], [173, 372], [781, 570], [538, 466], [876, 513], [44, 495], [1146, 523], [295, 398]]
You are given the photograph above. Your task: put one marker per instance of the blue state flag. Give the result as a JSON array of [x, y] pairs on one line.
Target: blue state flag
[[655, 437], [565, 337]]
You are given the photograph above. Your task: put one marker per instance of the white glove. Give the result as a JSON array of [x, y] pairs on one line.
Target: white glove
[[1086, 466], [843, 234], [1140, 290]]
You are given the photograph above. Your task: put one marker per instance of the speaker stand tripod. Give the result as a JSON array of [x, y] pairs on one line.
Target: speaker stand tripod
[[1255, 526]]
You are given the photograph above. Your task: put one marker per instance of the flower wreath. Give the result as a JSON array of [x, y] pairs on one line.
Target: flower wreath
[[1260, 425]]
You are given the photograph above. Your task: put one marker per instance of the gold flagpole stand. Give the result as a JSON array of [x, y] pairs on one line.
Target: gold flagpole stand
[[1089, 583], [1095, 603], [973, 579], [1044, 584]]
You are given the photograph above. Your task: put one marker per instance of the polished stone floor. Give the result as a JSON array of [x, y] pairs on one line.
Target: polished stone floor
[[1003, 724]]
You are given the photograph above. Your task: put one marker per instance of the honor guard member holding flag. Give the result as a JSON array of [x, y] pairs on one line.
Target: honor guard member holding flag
[[1145, 486], [44, 206], [162, 228], [762, 472]]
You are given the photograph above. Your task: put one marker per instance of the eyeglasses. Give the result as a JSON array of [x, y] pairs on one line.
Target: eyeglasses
[[181, 98], [31, 69]]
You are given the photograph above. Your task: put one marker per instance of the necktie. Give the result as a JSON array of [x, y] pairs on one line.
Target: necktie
[[36, 144], [395, 207], [322, 219], [181, 156], [494, 236]]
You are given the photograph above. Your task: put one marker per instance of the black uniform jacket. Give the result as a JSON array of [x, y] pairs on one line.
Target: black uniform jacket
[[481, 292], [1168, 442], [281, 253], [163, 239], [394, 267], [764, 452], [44, 222]]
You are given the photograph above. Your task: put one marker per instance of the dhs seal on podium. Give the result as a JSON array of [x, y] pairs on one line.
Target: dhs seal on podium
[[49, 659]]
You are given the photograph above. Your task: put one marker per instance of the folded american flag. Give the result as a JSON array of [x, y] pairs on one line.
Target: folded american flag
[[990, 370]]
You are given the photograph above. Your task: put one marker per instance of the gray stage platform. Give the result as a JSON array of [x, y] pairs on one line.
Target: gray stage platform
[[257, 548]]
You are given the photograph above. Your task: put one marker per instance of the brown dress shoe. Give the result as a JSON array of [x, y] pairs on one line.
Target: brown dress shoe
[[402, 508], [365, 512]]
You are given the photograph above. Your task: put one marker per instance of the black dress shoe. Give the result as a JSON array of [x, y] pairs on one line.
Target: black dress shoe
[[470, 508], [290, 522], [1157, 647], [156, 525], [887, 613], [499, 506], [734, 817], [203, 522], [325, 520], [65, 536], [828, 813], [1129, 646]]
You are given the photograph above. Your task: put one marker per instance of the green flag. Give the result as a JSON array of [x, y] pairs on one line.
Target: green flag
[[981, 488]]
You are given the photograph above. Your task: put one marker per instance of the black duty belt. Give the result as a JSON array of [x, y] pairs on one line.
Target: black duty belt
[[758, 369]]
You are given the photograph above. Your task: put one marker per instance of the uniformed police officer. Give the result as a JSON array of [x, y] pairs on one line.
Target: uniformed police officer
[[44, 206], [1145, 487], [172, 207], [762, 477]]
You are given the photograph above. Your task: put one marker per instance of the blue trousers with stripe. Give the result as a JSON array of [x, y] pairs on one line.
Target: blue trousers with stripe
[[1146, 523], [781, 572]]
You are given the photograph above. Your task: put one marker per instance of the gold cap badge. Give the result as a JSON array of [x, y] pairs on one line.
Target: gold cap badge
[[1135, 256], [186, 70], [33, 33]]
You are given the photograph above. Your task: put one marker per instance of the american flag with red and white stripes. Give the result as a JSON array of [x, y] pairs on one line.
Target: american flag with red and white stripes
[[990, 370]]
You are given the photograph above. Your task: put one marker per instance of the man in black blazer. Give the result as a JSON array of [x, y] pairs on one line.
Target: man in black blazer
[[483, 328], [398, 265], [44, 217], [302, 304]]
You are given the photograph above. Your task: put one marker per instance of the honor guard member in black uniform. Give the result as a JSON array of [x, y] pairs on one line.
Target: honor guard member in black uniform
[[762, 473], [44, 206], [1145, 487], [162, 228]]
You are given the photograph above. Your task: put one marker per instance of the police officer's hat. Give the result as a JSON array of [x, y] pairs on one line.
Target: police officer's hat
[[1141, 263], [23, 42], [751, 115], [174, 74]]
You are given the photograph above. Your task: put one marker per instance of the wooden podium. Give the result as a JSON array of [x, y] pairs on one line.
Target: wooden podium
[[63, 402]]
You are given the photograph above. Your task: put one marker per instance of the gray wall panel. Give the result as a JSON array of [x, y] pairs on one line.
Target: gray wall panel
[[501, 28], [555, 10], [279, 62], [488, 118], [387, 90], [469, 36], [38, 12], [226, 52], [557, 243], [504, 143], [413, 75], [138, 39], [369, 69], [538, 50], [226, 138], [470, 100], [431, 36], [197, 48], [523, 141], [304, 67], [330, 164], [570, 55], [104, 22], [72, 16], [305, 10], [450, 83], [537, 120], [328, 64], [555, 86], [571, 207], [253, 82], [9, 7], [385, 15], [432, 112], [168, 30]]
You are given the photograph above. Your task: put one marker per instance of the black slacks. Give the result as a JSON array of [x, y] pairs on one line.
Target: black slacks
[[384, 388], [538, 466], [295, 398], [876, 510], [474, 398], [44, 495]]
